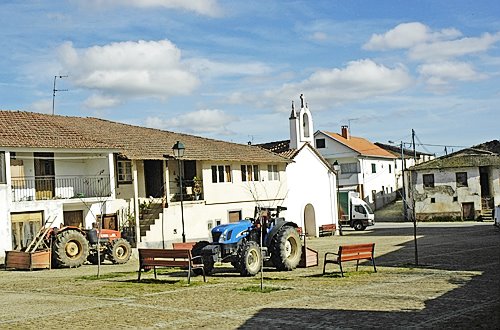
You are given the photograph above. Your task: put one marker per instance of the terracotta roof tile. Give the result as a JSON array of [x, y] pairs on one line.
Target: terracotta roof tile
[[26, 129], [361, 145]]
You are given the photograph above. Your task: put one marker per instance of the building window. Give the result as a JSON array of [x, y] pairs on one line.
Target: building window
[[3, 176], [349, 168], [374, 168], [461, 179], [433, 200], [455, 198], [272, 173], [221, 173], [320, 143], [390, 168], [428, 180], [249, 172], [124, 169]]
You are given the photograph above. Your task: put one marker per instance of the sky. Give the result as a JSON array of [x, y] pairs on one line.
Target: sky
[[230, 69]]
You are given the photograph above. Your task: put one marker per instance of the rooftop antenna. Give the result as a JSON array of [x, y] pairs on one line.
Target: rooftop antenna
[[349, 123], [54, 90]]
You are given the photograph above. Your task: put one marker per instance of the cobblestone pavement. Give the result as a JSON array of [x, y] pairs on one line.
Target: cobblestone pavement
[[455, 285]]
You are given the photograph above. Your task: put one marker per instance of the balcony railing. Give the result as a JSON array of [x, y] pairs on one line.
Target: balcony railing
[[60, 187]]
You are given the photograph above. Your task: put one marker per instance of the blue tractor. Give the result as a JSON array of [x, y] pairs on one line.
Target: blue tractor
[[240, 243]]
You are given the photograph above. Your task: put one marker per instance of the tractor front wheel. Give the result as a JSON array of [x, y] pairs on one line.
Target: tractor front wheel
[[120, 251], [250, 259], [286, 249], [70, 249], [208, 261]]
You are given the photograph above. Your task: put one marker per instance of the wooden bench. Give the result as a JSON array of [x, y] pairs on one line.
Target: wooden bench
[[183, 245], [327, 229], [152, 258], [350, 253]]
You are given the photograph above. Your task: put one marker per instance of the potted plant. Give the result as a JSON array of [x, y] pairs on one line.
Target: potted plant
[[197, 187]]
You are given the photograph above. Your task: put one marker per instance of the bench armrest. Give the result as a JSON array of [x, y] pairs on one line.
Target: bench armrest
[[331, 253], [196, 257]]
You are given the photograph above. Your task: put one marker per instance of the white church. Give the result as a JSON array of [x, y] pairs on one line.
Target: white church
[[312, 191]]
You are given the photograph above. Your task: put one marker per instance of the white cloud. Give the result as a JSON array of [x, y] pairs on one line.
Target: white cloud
[[358, 80], [407, 35], [211, 68], [129, 69], [42, 106], [202, 7], [198, 122], [453, 48], [100, 101], [402, 36], [439, 74], [319, 36]]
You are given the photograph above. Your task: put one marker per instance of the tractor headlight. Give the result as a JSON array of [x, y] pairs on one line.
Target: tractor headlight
[[222, 237]]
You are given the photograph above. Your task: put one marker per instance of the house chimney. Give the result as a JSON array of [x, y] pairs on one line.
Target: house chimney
[[345, 132]]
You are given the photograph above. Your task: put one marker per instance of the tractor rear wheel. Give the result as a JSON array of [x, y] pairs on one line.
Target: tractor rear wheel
[[120, 251], [70, 249], [250, 259], [286, 249], [208, 261]]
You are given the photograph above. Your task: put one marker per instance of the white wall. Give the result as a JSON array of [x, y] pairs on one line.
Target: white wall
[[445, 188], [219, 199], [5, 227], [240, 191], [384, 177], [310, 182]]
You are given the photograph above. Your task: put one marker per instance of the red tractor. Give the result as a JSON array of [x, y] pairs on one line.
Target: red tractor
[[72, 246]]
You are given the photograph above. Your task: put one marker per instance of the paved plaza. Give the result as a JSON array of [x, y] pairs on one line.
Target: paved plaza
[[455, 285]]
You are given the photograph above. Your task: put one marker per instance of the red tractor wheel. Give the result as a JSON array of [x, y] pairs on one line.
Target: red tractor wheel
[[120, 251], [70, 249]]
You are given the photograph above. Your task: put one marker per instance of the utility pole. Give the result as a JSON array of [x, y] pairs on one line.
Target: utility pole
[[54, 90], [405, 214], [413, 199]]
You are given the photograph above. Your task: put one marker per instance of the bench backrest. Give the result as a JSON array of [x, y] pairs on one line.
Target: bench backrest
[[356, 251], [165, 257], [183, 245]]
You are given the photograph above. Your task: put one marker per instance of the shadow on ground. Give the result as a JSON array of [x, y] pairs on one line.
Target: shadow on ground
[[474, 304]]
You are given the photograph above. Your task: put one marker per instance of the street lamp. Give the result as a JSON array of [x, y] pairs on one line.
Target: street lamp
[[178, 150], [336, 168]]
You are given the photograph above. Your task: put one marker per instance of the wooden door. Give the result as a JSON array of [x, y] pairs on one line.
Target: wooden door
[[234, 216], [73, 218], [153, 178], [44, 175], [468, 211]]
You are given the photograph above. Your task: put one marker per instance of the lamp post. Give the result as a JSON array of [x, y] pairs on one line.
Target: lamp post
[[336, 168], [178, 150]]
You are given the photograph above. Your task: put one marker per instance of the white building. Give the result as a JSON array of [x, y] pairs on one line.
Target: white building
[[311, 200], [364, 167], [464, 185], [70, 170]]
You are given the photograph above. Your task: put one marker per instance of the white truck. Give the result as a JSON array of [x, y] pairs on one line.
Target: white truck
[[354, 211]]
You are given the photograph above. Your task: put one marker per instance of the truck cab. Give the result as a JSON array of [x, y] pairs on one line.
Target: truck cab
[[362, 215], [354, 211]]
